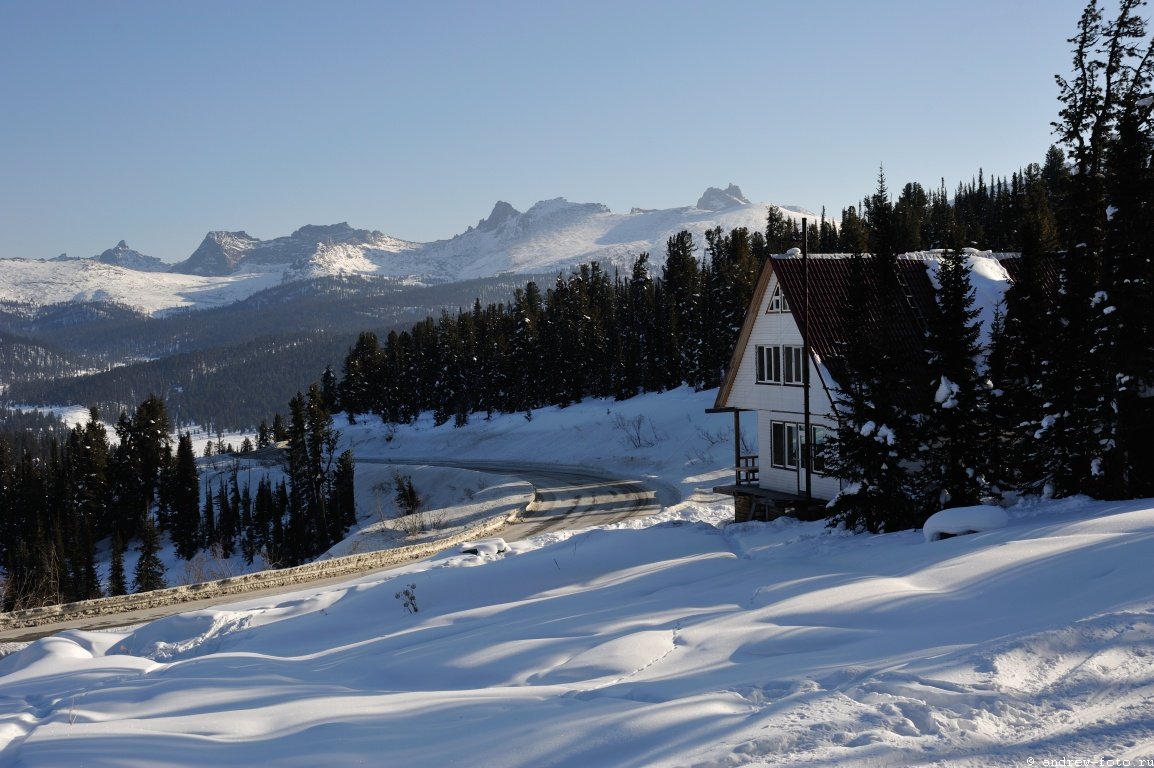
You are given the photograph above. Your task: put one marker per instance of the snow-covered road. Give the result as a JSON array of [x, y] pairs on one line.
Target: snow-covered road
[[568, 497]]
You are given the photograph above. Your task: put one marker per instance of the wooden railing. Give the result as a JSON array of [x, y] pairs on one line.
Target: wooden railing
[[747, 469]]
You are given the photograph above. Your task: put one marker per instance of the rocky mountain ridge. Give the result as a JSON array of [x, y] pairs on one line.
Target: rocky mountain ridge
[[552, 235]]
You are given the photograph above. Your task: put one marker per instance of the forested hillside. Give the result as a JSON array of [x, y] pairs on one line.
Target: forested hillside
[[225, 368]]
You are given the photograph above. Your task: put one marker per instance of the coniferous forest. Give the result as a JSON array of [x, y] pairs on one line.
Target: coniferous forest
[[1059, 404], [63, 493]]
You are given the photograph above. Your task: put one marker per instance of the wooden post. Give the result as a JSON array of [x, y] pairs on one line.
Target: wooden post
[[737, 446]]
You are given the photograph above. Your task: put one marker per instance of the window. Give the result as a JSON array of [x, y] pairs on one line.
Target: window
[[779, 365], [777, 302], [793, 373], [820, 435], [784, 444], [768, 365]]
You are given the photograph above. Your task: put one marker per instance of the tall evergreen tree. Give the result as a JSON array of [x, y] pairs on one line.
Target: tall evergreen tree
[[1082, 445], [682, 293]]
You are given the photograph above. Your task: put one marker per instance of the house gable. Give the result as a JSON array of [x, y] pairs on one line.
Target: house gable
[[768, 323]]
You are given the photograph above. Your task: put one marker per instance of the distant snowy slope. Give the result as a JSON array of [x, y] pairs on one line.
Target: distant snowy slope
[[558, 234], [224, 253], [86, 280]]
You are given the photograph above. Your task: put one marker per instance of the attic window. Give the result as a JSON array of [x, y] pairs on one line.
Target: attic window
[[777, 302]]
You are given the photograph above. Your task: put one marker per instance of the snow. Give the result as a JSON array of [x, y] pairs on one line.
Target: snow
[[675, 640], [946, 394], [485, 547], [962, 520], [988, 278]]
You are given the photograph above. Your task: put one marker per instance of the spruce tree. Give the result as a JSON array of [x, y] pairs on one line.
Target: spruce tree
[[149, 573], [227, 521], [1084, 384], [184, 524], [957, 438], [865, 451], [682, 298], [342, 502], [117, 584]]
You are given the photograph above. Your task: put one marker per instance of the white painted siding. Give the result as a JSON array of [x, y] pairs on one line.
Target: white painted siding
[[790, 480], [772, 328]]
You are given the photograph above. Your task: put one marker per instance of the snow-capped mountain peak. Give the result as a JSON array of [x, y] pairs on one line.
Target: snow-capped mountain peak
[[123, 256], [502, 212], [716, 199]]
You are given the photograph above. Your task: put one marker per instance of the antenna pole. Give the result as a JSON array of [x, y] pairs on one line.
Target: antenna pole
[[807, 436]]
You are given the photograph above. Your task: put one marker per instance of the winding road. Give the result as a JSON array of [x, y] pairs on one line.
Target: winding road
[[566, 497]]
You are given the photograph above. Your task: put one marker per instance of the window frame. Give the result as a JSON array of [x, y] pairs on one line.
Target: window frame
[[777, 301], [819, 435], [792, 371], [768, 363], [783, 439]]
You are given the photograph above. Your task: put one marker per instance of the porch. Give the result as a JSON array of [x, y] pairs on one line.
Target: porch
[[750, 500]]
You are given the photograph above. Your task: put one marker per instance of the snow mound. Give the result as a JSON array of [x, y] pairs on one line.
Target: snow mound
[[485, 547], [962, 520]]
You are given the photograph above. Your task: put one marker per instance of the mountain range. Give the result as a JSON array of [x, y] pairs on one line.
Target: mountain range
[[551, 236]]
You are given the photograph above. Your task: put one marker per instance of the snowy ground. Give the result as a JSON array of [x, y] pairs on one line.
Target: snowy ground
[[672, 641]]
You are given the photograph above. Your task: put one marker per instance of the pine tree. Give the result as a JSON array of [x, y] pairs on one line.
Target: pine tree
[[208, 533], [910, 212], [89, 452], [877, 404], [361, 371], [682, 294], [780, 232], [263, 435], [227, 521]]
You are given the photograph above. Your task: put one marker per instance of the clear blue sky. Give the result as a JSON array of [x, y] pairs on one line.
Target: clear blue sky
[[156, 121]]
